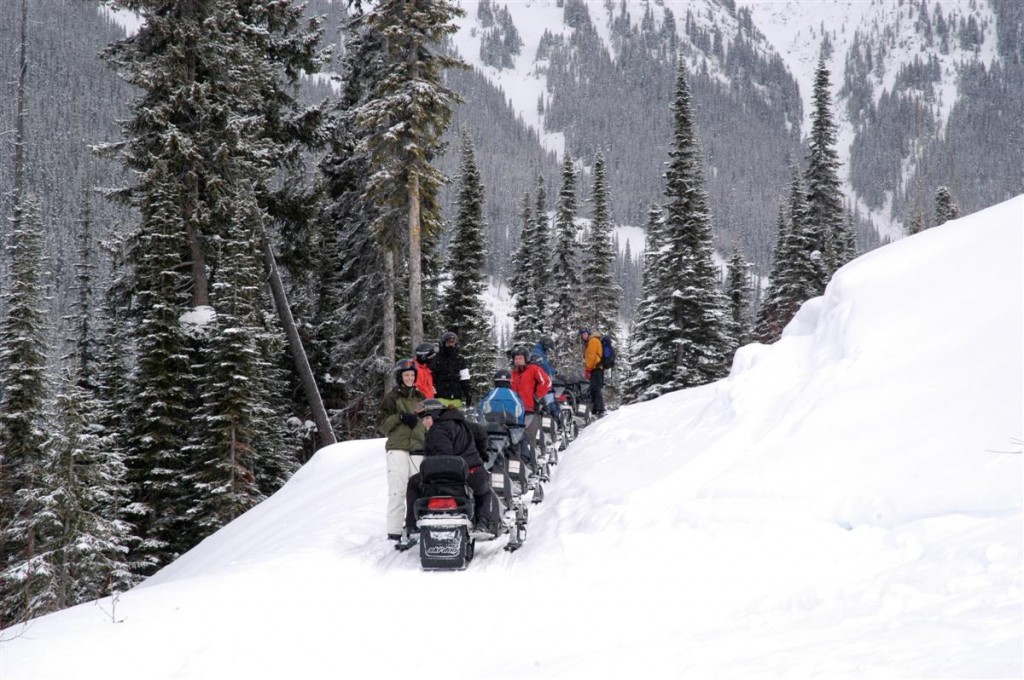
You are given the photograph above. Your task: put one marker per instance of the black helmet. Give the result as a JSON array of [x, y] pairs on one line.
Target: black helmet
[[425, 351], [403, 366], [535, 358], [449, 336], [503, 375], [584, 330], [520, 349], [430, 407], [547, 343]]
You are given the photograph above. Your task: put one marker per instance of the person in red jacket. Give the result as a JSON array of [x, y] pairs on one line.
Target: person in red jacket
[[425, 352], [531, 383]]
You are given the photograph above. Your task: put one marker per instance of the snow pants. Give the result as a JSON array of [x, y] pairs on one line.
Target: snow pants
[[401, 465]]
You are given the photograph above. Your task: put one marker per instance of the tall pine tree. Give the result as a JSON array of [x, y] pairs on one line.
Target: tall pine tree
[[566, 283], [86, 484], [797, 268], [700, 336], [525, 313], [824, 217], [404, 119], [600, 301], [463, 307], [25, 527], [737, 289], [353, 286], [651, 341], [215, 119]]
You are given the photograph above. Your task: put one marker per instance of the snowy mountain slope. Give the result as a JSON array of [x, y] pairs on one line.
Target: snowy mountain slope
[[892, 35], [847, 503], [797, 29]]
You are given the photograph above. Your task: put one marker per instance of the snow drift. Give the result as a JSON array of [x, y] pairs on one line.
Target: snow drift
[[846, 503]]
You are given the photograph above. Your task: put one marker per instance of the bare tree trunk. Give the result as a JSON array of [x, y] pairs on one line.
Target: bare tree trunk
[[390, 323], [200, 284], [316, 404], [415, 263], [19, 134]]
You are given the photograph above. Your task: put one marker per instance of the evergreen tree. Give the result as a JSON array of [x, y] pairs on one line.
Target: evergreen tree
[[565, 318], [404, 118], [700, 336], [25, 528], [87, 492], [84, 340], [464, 309], [353, 286], [651, 347], [796, 271], [824, 218], [542, 257], [160, 403], [521, 284], [234, 431], [738, 291], [215, 119], [915, 223], [945, 207], [600, 301]]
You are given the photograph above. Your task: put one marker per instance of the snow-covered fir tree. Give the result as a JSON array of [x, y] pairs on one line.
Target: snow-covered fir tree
[[601, 296], [652, 353], [521, 283], [541, 249], [215, 117], [464, 311], [83, 338], [88, 491], [945, 207], [161, 385], [352, 284], [700, 334], [797, 268], [737, 289], [25, 525], [403, 120], [567, 288], [236, 431], [824, 217]]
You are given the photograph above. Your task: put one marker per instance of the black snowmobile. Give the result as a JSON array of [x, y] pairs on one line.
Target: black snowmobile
[[445, 514]]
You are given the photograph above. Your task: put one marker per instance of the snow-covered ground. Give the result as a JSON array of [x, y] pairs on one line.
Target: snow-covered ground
[[846, 504]]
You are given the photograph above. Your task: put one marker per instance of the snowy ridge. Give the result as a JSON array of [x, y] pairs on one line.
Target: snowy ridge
[[846, 504]]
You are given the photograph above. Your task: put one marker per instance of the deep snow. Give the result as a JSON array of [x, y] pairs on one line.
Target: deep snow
[[847, 503]]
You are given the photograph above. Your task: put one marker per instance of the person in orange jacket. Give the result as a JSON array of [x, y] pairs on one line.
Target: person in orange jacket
[[592, 368]]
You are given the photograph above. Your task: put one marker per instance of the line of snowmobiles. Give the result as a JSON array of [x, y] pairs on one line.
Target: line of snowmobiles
[[446, 531]]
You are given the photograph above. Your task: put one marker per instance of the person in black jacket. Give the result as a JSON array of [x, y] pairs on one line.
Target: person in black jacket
[[448, 434], [451, 373]]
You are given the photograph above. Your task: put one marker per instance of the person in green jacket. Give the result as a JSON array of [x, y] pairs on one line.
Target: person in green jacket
[[404, 447]]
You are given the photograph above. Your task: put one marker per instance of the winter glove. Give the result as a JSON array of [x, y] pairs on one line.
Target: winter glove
[[408, 419], [586, 374]]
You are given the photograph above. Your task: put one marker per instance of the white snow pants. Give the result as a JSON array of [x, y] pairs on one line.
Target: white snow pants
[[401, 466]]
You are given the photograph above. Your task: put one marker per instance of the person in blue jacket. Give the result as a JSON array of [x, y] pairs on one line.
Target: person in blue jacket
[[543, 346], [502, 400]]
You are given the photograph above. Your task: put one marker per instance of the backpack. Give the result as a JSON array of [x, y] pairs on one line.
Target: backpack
[[607, 352]]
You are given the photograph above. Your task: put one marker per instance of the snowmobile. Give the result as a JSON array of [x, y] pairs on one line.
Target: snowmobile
[[445, 515], [573, 394]]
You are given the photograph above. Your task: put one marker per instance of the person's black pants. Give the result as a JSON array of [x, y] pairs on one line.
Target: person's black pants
[[596, 390]]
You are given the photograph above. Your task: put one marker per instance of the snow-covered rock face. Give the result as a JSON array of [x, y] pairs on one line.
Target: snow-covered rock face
[[847, 503]]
